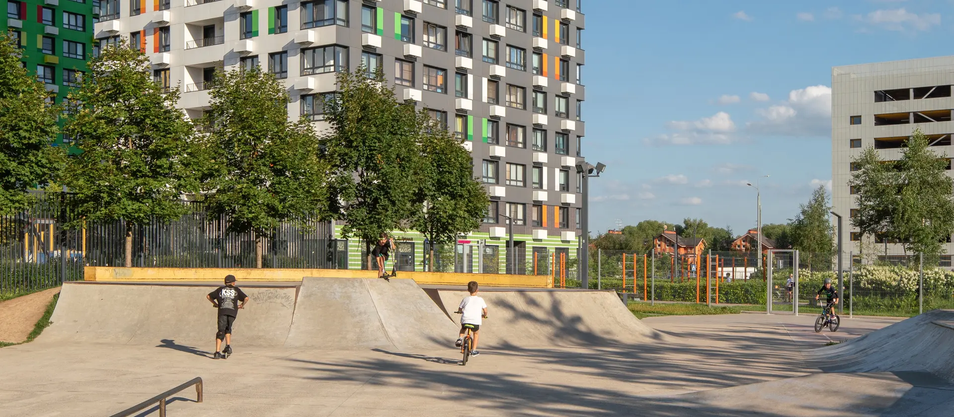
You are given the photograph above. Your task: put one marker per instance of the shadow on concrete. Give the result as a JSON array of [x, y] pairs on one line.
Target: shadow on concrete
[[169, 401], [171, 344], [432, 359]]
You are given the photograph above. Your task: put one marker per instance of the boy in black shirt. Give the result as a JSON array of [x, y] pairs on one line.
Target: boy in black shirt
[[226, 299], [381, 252]]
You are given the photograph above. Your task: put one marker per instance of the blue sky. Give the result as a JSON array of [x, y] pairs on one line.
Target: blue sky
[[686, 101]]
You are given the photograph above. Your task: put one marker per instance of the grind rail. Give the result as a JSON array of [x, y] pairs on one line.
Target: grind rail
[[161, 399]]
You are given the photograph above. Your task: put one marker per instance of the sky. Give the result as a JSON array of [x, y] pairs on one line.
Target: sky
[[688, 100]]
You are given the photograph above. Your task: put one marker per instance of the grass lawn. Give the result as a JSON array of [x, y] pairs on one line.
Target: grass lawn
[[643, 309]]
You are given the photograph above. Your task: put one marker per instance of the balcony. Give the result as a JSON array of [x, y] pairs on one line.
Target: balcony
[[567, 125], [15, 23], [497, 151], [306, 37], [205, 42], [567, 161], [540, 195], [567, 14], [540, 157], [539, 119], [539, 43], [567, 198], [464, 21], [498, 71], [497, 31], [53, 88], [413, 6], [413, 50], [468, 145], [51, 30], [191, 3], [245, 46], [540, 234], [568, 51], [497, 191], [464, 62], [540, 5], [567, 236], [539, 81], [162, 17], [498, 231], [464, 104], [163, 59], [568, 88], [413, 94], [245, 4], [199, 86], [498, 111], [52, 2], [371, 40], [321, 82]]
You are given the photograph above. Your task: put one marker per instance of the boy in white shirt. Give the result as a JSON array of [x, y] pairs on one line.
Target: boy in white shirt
[[472, 309]]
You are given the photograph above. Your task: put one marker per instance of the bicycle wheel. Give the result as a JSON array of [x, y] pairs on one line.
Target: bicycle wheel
[[819, 323], [834, 323], [468, 343]]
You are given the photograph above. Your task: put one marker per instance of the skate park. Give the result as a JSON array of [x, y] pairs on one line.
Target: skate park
[[354, 345]]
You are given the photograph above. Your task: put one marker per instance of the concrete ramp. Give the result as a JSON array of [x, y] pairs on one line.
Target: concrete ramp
[[920, 343], [172, 315], [344, 314], [524, 319]]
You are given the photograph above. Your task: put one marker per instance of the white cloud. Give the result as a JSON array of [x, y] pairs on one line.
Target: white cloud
[[736, 183], [805, 17], [901, 20], [673, 179], [727, 99], [833, 13], [691, 138], [756, 96], [742, 16], [691, 201], [703, 184], [807, 112], [816, 182], [729, 168], [646, 196], [612, 197], [719, 122]]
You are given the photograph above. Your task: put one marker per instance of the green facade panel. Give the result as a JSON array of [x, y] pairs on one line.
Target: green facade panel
[[271, 20], [380, 21], [397, 26]]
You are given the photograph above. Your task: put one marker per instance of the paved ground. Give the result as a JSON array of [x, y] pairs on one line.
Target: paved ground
[[748, 364], [18, 316]]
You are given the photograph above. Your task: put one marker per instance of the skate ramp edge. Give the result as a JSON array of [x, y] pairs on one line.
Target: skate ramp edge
[[915, 344], [524, 319]]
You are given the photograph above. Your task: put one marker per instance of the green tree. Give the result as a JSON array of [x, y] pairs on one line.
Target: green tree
[[924, 217], [452, 201], [877, 194], [779, 233], [719, 239], [137, 147], [28, 127], [639, 238], [373, 154], [264, 169], [811, 231]]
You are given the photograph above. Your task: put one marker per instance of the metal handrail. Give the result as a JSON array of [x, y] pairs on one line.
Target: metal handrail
[[161, 399]]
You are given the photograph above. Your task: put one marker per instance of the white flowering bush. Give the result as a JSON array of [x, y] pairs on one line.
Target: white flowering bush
[[901, 279]]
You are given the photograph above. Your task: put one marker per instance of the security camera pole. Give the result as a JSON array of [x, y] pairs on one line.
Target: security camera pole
[[586, 171]]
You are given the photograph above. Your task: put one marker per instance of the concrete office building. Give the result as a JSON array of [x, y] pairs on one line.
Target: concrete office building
[[504, 74], [880, 105]]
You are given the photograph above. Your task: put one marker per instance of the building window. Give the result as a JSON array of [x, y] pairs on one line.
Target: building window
[[493, 92], [579, 74], [852, 190], [536, 216], [490, 51], [16, 38], [324, 13], [281, 19], [562, 144], [46, 16], [460, 127], [577, 218], [516, 97], [134, 8], [404, 73], [13, 10], [564, 34], [564, 70], [74, 21], [516, 58], [516, 175], [72, 77], [464, 7], [248, 63], [165, 41], [435, 37], [460, 86], [536, 63], [75, 50], [434, 79], [516, 136], [161, 78], [853, 213], [539, 102], [163, 4], [110, 10], [856, 120], [372, 63], [517, 213], [491, 11], [579, 146], [49, 46], [46, 74], [437, 3], [324, 60], [369, 22], [579, 110], [313, 106], [854, 166], [855, 237], [579, 182], [536, 178], [493, 132], [564, 217], [278, 64], [491, 215], [539, 140], [490, 172], [561, 106], [135, 42], [855, 143], [246, 28], [407, 29], [562, 3], [438, 116], [463, 44], [564, 180], [537, 25], [579, 38], [516, 19]]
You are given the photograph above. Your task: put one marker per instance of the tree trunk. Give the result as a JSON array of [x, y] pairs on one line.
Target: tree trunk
[[372, 266], [258, 251], [128, 246]]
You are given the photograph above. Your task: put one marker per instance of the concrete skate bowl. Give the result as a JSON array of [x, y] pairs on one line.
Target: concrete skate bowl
[[918, 344], [541, 318]]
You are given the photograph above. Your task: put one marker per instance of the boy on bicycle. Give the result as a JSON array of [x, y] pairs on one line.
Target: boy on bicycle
[[830, 293], [472, 309]]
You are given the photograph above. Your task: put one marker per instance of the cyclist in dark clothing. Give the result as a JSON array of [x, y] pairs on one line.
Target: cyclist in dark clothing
[[382, 251], [830, 293]]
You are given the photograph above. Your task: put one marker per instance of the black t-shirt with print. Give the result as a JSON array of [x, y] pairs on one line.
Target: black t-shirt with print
[[228, 298]]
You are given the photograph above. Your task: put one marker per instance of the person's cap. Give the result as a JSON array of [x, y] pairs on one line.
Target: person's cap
[[229, 278]]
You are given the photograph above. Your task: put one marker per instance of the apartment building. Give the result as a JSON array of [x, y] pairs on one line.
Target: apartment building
[[879, 105], [510, 85], [56, 39]]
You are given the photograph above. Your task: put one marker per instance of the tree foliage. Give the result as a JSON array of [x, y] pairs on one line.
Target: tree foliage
[[264, 169], [28, 127], [779, 233], [811, 231], [137, 147]]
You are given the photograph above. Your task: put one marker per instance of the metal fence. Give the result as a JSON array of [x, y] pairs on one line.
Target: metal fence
[[37, 250]]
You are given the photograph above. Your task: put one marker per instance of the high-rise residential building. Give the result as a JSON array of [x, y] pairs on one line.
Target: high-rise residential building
[[56, 38], [510, 85], [880, 105]]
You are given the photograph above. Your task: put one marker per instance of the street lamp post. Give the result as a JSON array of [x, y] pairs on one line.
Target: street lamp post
[[586, 171], [841, 282], [758, 194], [511, 251]]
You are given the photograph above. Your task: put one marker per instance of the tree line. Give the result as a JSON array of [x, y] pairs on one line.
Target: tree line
[[383, 165]]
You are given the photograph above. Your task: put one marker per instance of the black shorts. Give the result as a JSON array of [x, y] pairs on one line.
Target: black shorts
[[225, 323], [463, 327]]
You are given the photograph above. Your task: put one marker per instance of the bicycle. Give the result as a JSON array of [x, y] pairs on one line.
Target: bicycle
[[828, 318], [468, 343]]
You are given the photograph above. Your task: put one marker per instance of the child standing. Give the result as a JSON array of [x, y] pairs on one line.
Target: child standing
[[226, 299], [472, 309]]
